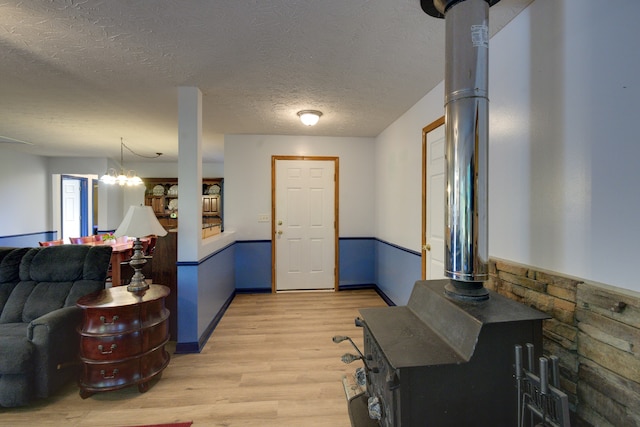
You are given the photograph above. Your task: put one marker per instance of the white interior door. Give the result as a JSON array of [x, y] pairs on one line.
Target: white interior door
[[435, 164], [71, 204], [304, 224]]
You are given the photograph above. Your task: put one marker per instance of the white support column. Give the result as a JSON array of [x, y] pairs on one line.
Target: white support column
[[189, 173]]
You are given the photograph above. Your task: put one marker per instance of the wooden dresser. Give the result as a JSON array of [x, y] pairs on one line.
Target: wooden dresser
[[122, 338]]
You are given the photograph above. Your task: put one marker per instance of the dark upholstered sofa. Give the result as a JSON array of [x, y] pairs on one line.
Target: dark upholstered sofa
[[39, 342]]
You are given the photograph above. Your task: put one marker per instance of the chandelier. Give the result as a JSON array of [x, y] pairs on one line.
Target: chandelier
[[128, 178]]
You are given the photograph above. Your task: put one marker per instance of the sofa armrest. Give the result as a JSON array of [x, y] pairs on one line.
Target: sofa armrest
[[57, 344]]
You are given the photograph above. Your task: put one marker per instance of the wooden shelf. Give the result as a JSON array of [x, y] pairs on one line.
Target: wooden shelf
[[166, 206]]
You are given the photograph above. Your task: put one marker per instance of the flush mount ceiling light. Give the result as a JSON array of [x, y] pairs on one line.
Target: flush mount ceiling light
[[309, 117]]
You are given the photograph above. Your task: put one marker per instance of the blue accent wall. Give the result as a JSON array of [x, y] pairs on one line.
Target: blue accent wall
[[357, 261], [205, 290], [29, 240], [253, 265], [188, 305], [397, 270]]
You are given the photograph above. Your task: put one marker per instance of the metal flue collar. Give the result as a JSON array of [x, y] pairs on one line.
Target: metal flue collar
[[437, 8]]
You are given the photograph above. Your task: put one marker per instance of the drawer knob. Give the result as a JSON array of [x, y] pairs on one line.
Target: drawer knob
[[114, 373], [113, 320], [101, 349]]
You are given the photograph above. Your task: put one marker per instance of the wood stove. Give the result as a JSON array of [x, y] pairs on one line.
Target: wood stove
[[447, 357], [442, 362]]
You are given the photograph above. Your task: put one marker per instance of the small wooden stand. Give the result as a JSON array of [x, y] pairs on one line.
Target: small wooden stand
[[122, 338]]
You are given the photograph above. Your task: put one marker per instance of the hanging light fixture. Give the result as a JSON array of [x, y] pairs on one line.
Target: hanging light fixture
[[309, 117], [129, 178]]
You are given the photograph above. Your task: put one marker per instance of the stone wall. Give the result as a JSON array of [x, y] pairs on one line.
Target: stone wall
[[595, 332]]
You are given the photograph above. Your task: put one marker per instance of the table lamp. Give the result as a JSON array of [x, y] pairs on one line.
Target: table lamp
[[140, 221]]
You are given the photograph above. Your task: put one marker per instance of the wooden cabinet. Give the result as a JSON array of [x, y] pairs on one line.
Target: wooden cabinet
[[157, 203], [122, 338], [167, 222], [164, 269], [211, 205], [162, 195], [212, 198]]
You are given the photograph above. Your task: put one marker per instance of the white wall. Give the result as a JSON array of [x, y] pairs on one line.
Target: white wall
[[399, 170], [564, 178], [564, 140], [24, 192], [162, 169], [248, 180], [27, 183], [26, 177], [111, 199], [77, 165]]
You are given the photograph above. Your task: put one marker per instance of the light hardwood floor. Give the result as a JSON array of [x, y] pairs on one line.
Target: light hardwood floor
[[269, 362]]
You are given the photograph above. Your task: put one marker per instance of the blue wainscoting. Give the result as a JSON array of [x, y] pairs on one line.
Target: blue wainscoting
[[357, 262], [206, 288], [397, 270], [29, 240], [253, 266]]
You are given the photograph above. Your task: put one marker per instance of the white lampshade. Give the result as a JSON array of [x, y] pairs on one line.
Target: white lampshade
[[309, 117], [140, 221]]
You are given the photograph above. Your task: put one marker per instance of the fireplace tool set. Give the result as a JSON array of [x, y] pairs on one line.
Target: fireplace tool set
[[539, 395], [355, 386]]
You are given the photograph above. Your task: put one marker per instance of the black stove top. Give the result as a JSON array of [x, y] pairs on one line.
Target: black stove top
[[441, 362]]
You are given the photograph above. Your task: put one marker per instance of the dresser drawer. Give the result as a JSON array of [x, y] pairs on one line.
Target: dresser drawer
[[111, 347], [102, 376], [153, 312], [121, 346], [111, 320], [154, 362], [155, 335]]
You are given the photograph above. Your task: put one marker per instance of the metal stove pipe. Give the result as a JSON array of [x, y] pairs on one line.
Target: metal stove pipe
[[467, 135]]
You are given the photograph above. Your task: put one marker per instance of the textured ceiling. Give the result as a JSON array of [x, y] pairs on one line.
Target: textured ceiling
[[77, 75]]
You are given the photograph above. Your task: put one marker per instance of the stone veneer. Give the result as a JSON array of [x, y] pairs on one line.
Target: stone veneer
[[595, 332]]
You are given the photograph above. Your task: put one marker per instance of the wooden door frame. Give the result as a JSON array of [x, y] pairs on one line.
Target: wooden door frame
[[336, 181], [425, 130]]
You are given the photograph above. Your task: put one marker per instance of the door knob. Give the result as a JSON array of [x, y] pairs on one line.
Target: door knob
[[427, 247], [279, 232], [279, 222]]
